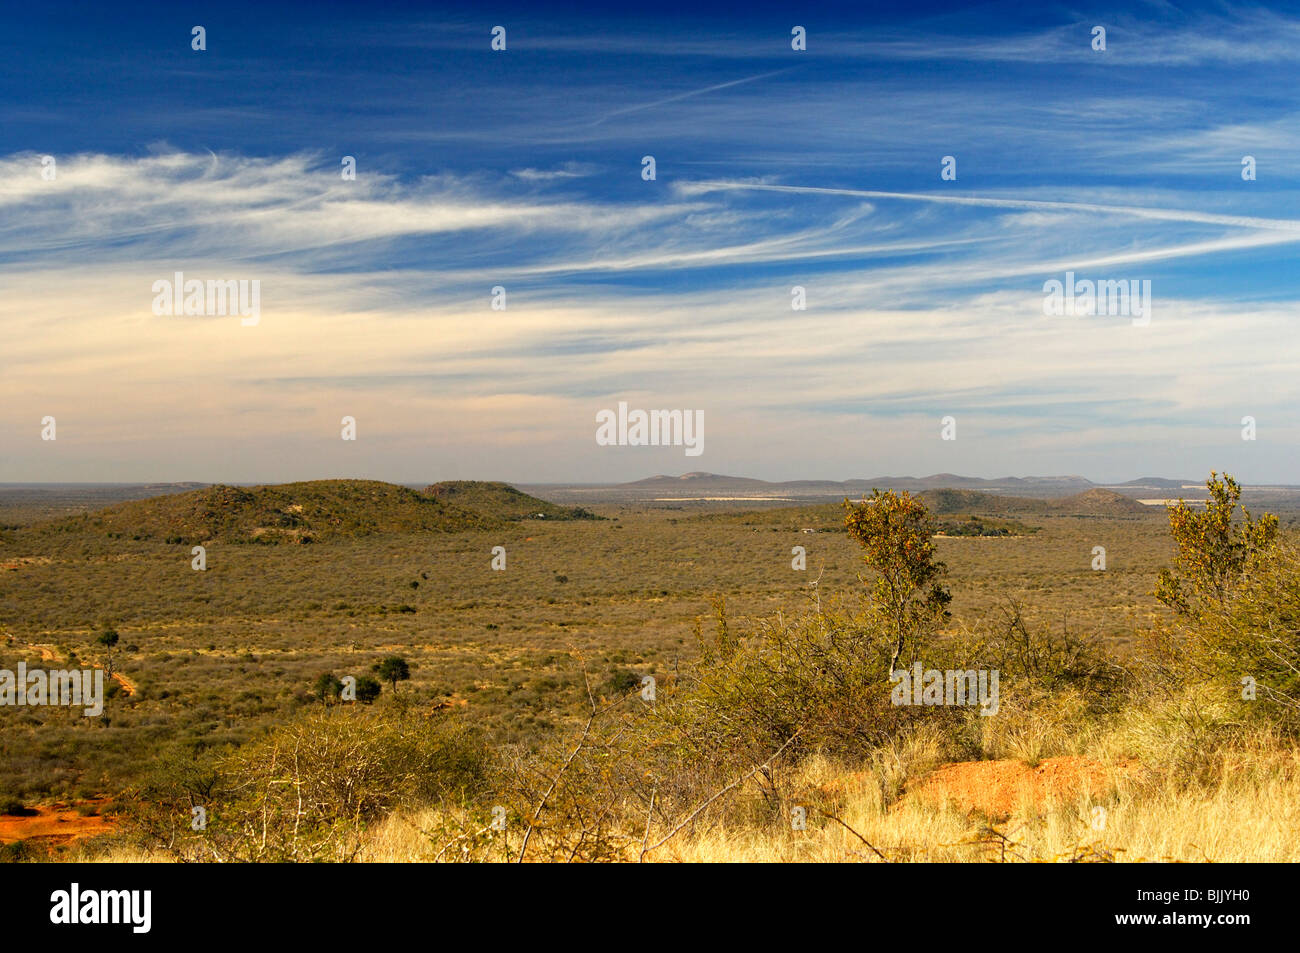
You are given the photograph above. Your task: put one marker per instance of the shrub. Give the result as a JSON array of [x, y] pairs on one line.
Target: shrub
[[1040, 662], [1247, 649], [367, 689], [1214, 553], [895, 530], [326, 687], [825, 675], [1235, 591], [14, 807], [306, 790]]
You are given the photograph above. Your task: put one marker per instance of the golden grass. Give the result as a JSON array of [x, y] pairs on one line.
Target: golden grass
[[1251, 814], [1246, 816]]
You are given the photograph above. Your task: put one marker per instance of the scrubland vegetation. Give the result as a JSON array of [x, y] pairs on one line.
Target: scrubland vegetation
[[657, 687]]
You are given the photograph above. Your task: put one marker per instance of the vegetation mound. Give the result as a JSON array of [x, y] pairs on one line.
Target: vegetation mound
[[502, 501], [1099, 502], [285, 513], [1095, 502]]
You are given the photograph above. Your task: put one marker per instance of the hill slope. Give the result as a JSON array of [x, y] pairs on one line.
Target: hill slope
[[959, 512], [1099, 502], [829, 518], [290, 512], [1095, 502], [502, 501]]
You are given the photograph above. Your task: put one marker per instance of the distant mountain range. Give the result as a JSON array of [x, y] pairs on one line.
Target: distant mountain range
[[702, 483], [716, 486], [692, 482]]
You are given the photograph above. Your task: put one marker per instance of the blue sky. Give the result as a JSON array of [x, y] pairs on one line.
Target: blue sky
[[522, 169]]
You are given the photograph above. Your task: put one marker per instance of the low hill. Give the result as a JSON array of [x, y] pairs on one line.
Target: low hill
[[957, 512], [1099, 502], [1094, 502], [502, 501], [694, 480], [829, 518], [286, 513], [949, 501]]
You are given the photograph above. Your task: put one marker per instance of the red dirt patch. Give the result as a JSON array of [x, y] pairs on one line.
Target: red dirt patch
[[999, 788], [57, 825]]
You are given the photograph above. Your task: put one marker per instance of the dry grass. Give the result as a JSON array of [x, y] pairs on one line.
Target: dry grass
[[1245, 816], [222, 656], [1248, 812]]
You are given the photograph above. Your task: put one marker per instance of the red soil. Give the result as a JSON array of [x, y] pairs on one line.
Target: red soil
[[999, 788], [55, 826], [49, 655]]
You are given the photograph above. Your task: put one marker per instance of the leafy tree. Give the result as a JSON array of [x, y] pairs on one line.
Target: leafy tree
[[327, 686], [367, 689], [1213, 552], [895, 530], [393, 669]]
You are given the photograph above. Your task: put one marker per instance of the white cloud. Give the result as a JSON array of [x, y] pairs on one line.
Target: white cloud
[[911, 315]]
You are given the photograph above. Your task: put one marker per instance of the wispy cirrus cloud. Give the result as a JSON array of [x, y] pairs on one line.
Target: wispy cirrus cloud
[[776, 169], [184, 204]]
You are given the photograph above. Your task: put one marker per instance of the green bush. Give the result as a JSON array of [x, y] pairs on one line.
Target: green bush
[[1248, 649], [1234, 638], [306, 790]]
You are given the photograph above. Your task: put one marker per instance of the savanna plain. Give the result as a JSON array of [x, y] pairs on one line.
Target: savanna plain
[[359, 673]]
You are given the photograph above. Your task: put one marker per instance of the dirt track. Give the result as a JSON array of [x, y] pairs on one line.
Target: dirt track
[[49, 654]]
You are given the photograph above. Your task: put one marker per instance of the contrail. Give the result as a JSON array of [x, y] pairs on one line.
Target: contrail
[[1171, 215], [688, 95]]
